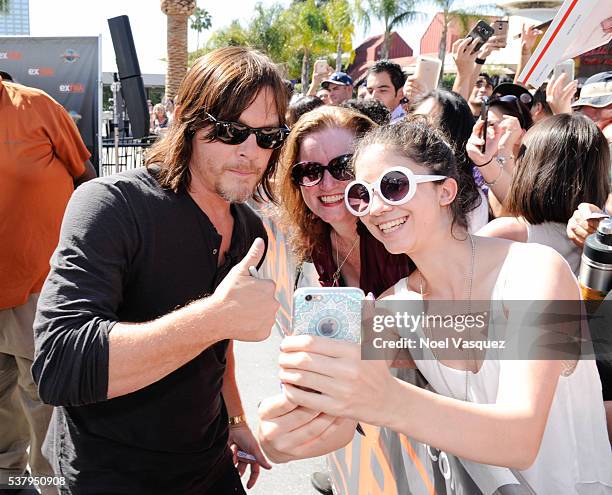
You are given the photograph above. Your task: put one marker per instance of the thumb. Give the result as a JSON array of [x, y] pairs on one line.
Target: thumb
[[253, 257], [261, 458]]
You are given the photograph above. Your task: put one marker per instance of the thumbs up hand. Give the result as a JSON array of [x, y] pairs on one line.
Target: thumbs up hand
[[247, 302]]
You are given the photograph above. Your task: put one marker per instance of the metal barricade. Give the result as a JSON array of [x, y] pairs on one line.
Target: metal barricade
[[130, 154]]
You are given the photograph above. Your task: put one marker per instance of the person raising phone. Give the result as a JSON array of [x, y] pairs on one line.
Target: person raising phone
[[314, 169], [542, 418]]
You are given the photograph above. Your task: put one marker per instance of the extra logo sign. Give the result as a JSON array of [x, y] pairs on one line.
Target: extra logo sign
[[10, 55], [41, 71], [72, 88]]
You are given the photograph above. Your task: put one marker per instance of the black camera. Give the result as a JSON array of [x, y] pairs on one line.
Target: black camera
[[308, 298]]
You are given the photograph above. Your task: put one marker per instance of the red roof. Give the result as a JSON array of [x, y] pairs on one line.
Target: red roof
[[430, 41], [369, 52]]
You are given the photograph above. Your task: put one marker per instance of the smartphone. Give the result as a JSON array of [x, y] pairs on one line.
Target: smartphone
[[320, 66], [427, 71], [484, 116], [481, 32], [244, 456], [500, 30], [332, 312], [566, 67]]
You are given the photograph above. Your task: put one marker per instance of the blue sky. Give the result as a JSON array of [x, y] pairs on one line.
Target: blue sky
[[61, 18]]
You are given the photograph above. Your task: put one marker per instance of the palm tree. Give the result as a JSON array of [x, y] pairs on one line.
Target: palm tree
[[308, 34], [339, 20], [200, 21], [465, 17], [4, 6], [178, 12], [392, 13], [267, 31]]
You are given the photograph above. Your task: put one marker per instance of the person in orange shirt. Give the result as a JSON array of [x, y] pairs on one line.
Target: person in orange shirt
[[42, 160]]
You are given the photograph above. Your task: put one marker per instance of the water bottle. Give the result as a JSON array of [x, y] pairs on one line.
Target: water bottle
[[596, 265]]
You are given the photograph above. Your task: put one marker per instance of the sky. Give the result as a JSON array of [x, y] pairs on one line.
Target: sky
[[89, 18]]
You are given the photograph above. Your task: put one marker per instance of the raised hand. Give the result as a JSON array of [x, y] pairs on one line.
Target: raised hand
[[584, 222], [529, 36], [413, 89], [559, 94], [248, 302], [464, 58], [501, 136]]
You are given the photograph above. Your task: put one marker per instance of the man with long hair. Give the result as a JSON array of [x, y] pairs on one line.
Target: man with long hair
[[148, 287]]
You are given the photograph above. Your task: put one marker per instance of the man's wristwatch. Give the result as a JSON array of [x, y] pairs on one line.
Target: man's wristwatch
[[236, 420]]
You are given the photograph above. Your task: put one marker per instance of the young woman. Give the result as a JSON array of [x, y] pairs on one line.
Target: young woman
[[563, 161], [543, 418]]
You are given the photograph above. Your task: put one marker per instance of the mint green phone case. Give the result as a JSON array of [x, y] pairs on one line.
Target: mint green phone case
[[333, 312]]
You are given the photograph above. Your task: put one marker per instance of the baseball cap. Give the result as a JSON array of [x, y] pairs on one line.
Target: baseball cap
[[339, 78], [596, 91], [505, 89]]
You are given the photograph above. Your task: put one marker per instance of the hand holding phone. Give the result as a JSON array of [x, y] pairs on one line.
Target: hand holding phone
[[321, 67], [481, 32], [500, 32], [566, 67]]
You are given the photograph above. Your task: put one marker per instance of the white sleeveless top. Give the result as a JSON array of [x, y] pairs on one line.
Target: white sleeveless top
[[479, 217], [575, 455], [554, 235]]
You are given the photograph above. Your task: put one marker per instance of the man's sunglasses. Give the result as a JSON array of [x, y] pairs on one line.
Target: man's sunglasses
[[310, 173], [396, 186], [268, 138]]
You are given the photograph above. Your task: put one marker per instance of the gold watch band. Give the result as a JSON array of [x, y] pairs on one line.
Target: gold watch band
[[236, 420]]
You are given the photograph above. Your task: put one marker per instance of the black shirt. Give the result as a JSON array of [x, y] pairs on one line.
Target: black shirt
[[131, 251]]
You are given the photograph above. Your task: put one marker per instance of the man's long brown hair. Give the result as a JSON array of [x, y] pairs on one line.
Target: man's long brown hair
[[222, 83]]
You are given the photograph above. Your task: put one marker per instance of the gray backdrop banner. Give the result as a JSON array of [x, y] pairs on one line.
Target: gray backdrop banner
[[65, 68]]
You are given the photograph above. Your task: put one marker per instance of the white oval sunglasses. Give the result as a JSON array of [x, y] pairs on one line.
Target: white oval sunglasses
[[396, 186]]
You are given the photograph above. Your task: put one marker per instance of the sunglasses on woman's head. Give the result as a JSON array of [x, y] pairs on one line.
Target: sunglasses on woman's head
[[396, 186], [310, 173], [514, 100], [268, 138]]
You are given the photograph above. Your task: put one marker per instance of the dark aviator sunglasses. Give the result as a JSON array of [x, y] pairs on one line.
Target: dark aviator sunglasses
[[310, 173], [268, 138]]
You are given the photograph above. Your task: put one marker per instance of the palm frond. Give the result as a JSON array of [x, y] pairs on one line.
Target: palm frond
[[362, 16]]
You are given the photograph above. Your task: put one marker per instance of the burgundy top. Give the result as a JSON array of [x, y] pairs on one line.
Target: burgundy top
[[379, 268]]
